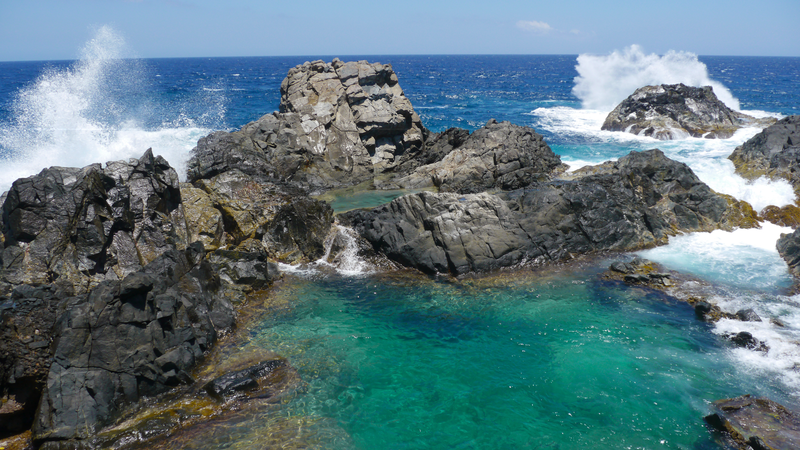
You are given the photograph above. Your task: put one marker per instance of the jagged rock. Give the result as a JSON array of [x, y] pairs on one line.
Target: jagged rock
[[789, 248], [259, 215], [338, 125], [27, 317], [127, 339], [78, 227], [774, 152], [756, 423], [637, 203], [499, 155], [677, 111]]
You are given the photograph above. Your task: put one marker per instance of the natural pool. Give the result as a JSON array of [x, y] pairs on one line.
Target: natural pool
[[562, 359]]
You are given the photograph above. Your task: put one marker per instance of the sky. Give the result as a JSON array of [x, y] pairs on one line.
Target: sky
[[33, 30]]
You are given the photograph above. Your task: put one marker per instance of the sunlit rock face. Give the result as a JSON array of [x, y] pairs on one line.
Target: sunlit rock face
[[677, 111]]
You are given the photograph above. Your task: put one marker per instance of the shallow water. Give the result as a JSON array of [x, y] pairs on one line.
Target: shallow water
[[527, 360]]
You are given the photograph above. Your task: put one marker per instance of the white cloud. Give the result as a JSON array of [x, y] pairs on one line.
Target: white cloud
[[532, 25]]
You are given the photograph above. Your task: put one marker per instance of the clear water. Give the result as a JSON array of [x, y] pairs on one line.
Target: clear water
[[521, 360], [559, 360]]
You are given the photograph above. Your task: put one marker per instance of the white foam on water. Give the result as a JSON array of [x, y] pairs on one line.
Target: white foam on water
[[98, 110], [347, 260], [744, 258], [708, 158], [604, 81], [782, 359]]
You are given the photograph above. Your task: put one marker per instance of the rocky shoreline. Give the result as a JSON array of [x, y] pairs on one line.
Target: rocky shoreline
[[117, 281]]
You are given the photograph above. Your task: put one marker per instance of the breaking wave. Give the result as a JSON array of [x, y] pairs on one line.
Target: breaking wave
[[604, 81]]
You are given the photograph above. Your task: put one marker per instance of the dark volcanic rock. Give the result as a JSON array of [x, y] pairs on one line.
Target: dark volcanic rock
[[789, 248], [756, 423], [676, 111], [638, 202], [234, 383], [499, 155], [27, 317], [775, 152], [128, 339], [78, 227]]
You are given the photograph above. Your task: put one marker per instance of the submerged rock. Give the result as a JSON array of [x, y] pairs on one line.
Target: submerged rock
[[239, 382], [637, 202], [774, 152], [677, 111], [756, 423]]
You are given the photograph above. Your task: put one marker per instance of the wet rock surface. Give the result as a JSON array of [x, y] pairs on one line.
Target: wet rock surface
[[774, 152], [677, 111], [755, 423], [789, 248], [635, 203]]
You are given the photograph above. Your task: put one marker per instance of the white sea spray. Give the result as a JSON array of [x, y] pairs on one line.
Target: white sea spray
[[99, 109], [603, 81]]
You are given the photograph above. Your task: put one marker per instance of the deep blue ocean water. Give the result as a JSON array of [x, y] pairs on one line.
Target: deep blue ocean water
[[550, 360]]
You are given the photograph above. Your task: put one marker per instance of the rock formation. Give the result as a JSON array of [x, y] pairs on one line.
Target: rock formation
[[677, 111], [79, 227], [634, 203], [755, 423], [789, 248], [339, 124], [774, 152], [342, 124], [497, 156]]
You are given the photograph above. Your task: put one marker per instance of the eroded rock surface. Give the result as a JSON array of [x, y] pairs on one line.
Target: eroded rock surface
[[497, 156], [79, 227], [677, 111], [774, 152], [339, 124], [634, 203]]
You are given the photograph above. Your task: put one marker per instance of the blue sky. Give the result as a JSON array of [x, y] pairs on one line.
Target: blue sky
[[58, 29]]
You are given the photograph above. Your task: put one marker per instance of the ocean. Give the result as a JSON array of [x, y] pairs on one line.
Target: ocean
[[549, 358]]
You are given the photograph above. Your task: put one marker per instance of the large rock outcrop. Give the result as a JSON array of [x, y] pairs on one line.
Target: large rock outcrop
[[636, 202], [774, 152], [339, 124], [104, 299], [677, 111], [79, 227]]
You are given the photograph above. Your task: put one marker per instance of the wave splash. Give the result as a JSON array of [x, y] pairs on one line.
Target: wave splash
[[99, 109], [604, 81]]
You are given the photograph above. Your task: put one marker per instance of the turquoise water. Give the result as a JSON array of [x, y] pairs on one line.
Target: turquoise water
[[566, 361]]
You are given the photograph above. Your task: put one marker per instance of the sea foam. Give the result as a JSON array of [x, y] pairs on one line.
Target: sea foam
[[604, 81], [99, 109]]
